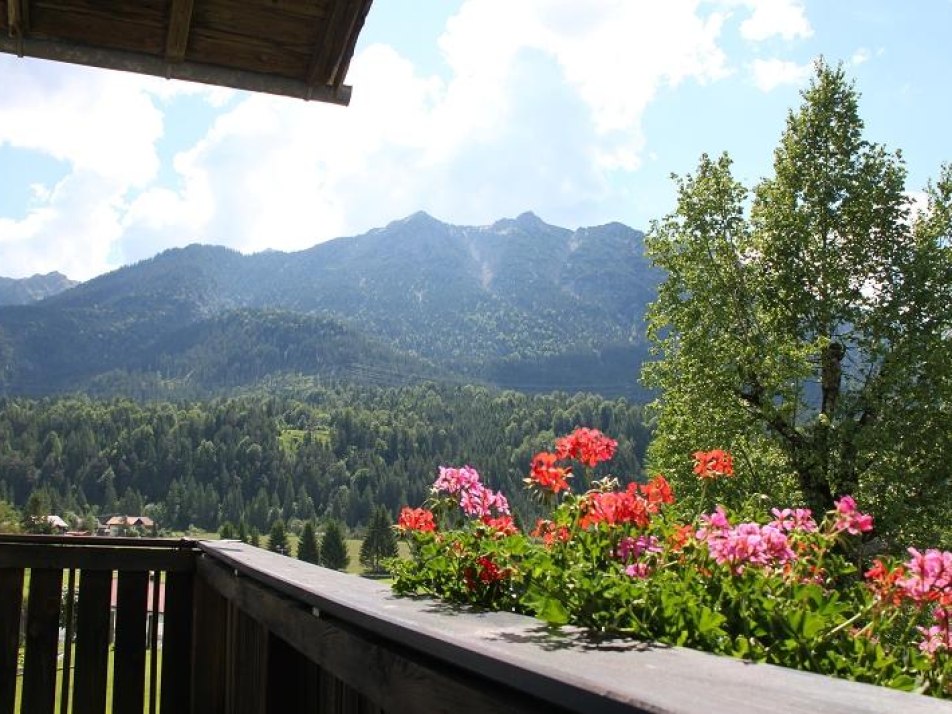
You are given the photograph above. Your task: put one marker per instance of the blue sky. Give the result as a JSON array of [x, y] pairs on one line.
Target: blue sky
[[472, 110]]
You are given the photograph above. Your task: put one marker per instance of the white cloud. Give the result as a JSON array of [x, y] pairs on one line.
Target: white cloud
[[769, 18], [540, 104], [772, 73], [861, 56], [105, 127], [532, 124]]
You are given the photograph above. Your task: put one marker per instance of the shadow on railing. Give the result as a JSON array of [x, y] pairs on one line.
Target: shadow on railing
[[239, 629]]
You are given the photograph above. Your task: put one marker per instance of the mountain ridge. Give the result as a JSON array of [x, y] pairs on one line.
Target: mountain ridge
[[478, 302]]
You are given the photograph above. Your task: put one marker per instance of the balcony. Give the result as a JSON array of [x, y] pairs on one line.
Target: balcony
[[157, 625]]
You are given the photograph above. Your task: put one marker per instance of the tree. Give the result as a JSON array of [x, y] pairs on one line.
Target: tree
[[379, 543], [334, 548], [36, 511], [10, 519], [809, 333], [278, 538], [308, 550]]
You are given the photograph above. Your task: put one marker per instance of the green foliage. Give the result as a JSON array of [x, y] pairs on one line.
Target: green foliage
[[308, 549], [278, 538], [333, 547], [10, 518], [380, 542], [810, 333], [189, 463], [227, 531]]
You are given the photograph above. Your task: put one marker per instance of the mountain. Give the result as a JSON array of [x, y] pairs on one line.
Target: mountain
[[24, 291], [520, 303]]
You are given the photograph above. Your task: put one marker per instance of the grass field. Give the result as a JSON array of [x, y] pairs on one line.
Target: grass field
[[353, 547]]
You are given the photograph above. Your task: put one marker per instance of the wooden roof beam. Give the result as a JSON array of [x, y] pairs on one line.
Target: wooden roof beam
[[158, 67], [18, 21], [180, 23], [338, 30]]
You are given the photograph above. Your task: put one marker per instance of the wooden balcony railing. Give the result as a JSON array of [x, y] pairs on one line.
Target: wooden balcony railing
[[238, 629]]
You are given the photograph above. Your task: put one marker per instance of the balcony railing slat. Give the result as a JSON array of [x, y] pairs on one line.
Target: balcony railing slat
[[69, 624], [11, 604], [42, 638], [92, 642], [177, 643], [132, 600], [209, 652], [249, 666], [293, 679]]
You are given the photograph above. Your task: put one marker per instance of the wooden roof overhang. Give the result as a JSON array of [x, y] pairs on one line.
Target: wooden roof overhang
[[297, 48]]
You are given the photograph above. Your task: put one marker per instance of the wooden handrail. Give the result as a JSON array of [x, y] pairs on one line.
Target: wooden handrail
[[357, 631]]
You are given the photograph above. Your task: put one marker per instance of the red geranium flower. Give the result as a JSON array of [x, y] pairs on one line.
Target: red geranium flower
[[589, 446], [657, 491], [614, 507], [416, 519], [545, 474], [711, 464]]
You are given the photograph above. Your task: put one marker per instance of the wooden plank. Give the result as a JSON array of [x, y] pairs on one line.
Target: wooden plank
[[42, 630], [95, 558], [177, 643], [383, 675], [211, 47], [155, 608], [128, 690], [180, 22], [11, 606], [68, 623], [98, 29], [330, 44], [293, 679], [15, 17], [189, 71], [107, 541], [144, 12], [244, 21], [249, 665], [92, 641], [210, 633], [347, 53]]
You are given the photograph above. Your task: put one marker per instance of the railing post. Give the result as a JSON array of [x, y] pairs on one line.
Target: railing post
[[11, 606]]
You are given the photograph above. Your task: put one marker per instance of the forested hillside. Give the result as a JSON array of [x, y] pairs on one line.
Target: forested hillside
[[520, 304], [331, 452]]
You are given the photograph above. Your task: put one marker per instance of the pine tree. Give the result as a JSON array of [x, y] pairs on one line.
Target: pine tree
[[380, 543], [307, 545], [333, 548], [278, 538]]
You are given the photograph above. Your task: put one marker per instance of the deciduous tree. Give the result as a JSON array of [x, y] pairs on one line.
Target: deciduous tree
[[806, 325]]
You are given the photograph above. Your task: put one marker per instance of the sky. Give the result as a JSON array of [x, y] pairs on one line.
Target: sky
[[471, 110]]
